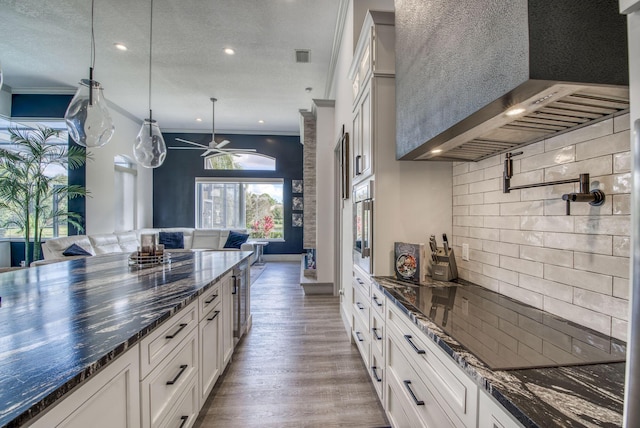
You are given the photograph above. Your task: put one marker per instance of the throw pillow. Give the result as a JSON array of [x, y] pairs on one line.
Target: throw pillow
[[171, 239], [235, 239], [75, 250]]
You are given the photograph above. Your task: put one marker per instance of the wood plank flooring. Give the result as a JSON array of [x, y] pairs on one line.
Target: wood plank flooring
[[296, 367]]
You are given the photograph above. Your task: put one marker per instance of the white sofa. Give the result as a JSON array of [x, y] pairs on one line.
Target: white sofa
[[128, 242]]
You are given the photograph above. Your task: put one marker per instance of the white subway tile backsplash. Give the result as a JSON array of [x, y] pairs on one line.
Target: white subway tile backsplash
[[570, 241], [486, 210], [462, 189], [622, 122], [547, 288], [502, 222], [621, 287], [522, 208], [500, 247], [547, 255], [587, 280], [603, 303], [522, 237], [556, 157], [622, 162], [596, 166], [522, 266], [605, 145], [592, 319], [475, 199], [607, 265], [522, 294], [502, 275], [622, 246], [523, 244], [547, 223], [483, 233], [621, 204], [490, 185], [619, 329], [583, 134]]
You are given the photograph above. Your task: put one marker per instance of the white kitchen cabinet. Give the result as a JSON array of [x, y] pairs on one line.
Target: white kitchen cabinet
[[111, 398], [492, 415], [373, 59], [441, 392], [210, 335], [161, 389], [185, 412], [227, 285]]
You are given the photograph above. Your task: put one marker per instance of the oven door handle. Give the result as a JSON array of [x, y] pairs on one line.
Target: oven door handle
[[367, 212]]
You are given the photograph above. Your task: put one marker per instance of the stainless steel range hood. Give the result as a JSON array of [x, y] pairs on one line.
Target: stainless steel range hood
[[559, 108], [462, 67]]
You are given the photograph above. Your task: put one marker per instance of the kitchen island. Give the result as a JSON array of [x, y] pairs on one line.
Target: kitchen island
[[547, 372], [62, 323]]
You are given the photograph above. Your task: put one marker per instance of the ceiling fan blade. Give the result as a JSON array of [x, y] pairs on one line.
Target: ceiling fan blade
[[184, 148], [192, 143], [241, 150], [222, 144], [209, 151]]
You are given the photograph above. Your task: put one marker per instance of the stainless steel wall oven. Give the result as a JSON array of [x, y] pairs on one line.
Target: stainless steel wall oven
[[363, 226]]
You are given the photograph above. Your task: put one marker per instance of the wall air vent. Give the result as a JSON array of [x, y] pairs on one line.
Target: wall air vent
[[303, 55]]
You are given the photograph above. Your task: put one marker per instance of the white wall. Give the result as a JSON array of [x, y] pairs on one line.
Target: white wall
[[100, 216], [5, 102]]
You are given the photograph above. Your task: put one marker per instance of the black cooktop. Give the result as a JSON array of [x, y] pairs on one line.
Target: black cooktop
[[503, 333]]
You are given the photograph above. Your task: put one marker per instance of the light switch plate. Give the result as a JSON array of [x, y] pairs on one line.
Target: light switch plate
[[465, 252]]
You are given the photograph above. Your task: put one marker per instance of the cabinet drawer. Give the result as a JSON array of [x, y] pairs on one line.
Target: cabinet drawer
[[361, 281], [168, 381], [377, 301], [362, 338], [211, 351], [396, 407], [377, 373], [157, 345], [378, 331], [493, 415], [454, 390], [412, 388], [361, 308], [209, 299], [186, 411]]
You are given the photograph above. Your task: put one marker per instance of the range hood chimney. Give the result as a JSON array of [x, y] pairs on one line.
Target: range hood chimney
[[475, 78]]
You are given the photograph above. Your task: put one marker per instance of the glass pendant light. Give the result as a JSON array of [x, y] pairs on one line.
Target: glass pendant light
[[149, 148], [87, 117]]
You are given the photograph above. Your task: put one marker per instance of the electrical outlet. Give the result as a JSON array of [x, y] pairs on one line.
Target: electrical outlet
[[465, 252]]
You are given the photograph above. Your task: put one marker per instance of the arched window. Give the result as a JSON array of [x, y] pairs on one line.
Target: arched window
[[240, 161]]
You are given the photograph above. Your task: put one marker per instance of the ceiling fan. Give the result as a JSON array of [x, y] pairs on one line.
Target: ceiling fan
[[213, 147]]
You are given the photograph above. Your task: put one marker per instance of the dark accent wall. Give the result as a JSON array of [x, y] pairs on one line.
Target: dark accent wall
[[174, 182]]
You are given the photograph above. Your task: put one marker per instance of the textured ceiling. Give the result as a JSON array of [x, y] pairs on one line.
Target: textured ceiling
[[45, 45]]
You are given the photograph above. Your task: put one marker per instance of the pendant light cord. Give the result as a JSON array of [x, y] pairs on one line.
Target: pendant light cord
[[93, 40], [150, 57]]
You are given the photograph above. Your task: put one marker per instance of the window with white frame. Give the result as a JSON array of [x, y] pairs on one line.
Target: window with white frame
[[241, 203], [125, 176]]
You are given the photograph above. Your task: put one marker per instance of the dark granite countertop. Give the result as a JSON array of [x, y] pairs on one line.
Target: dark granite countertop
[[574, 395], [62, 322]]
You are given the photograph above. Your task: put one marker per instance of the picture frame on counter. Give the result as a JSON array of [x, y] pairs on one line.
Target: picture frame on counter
[[410, 262]]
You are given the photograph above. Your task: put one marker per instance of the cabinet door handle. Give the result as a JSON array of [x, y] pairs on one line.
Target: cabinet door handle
[[359, 336], [359, 305], [361, 282], [214, 297], [407, 384], [184, 421], [175, 379], [375, 299], [358, 161], [375, 333], [215, 314], [375, 374], [413, 345], [180, 328], [235, 285]]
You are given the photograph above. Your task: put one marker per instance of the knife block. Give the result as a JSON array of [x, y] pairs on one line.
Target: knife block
[[445, 268]]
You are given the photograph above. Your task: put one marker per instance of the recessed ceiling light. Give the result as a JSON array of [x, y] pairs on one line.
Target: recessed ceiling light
[[261, 121], [120, 46], [514, 111], [198, 119], [308, 89], [436, 151], [229, 51]]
